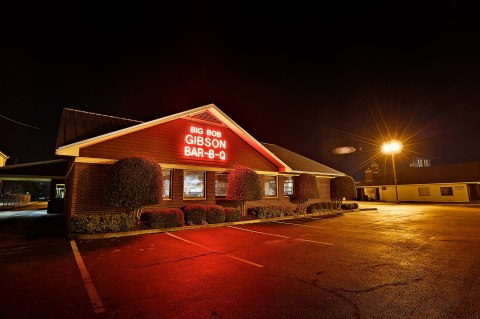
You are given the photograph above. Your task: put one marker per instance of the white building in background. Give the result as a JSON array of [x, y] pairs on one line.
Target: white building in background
[[457, 183]]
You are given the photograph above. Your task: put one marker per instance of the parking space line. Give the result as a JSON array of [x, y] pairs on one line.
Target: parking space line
[[87, 280], [320, 227], [282, 236], [216, 251]]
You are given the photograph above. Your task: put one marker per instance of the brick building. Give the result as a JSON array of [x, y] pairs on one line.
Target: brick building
[[195, 150]]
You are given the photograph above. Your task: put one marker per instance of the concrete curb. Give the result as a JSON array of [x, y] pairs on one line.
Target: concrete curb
[[75, 236]]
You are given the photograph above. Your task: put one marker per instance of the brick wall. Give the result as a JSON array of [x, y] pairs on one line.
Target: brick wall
[[87, 189], [87, 182]]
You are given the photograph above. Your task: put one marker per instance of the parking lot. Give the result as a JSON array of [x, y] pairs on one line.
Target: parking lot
[[400, 261]]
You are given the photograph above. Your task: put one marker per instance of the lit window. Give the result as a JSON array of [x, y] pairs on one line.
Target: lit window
[[424, 191], [60, 191], [288, 186], [270, 186], [167, 183], [221, 183], [194, 184], [446, 191]]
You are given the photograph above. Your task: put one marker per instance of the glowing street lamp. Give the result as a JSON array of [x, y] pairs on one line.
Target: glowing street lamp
[[393, 147]]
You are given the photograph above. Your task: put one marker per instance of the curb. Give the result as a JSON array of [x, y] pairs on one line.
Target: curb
[[75, 236]]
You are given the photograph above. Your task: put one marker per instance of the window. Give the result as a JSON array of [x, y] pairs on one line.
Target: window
[[60, 191], [424, 191], [167, 183], [194, 184], [288, 186], [270, 186], [446, 191], [221, 183]]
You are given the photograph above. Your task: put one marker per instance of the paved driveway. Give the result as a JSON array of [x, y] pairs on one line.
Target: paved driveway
[[402, 261]]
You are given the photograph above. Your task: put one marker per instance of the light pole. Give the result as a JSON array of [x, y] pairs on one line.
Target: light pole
[[393, 147]]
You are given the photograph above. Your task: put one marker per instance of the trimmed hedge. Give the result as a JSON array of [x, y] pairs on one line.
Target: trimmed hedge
[[232, 214], [349, 206], [271, 211], [95, 223], [195, 215], [314, 208], [215, 214], [166, 218]]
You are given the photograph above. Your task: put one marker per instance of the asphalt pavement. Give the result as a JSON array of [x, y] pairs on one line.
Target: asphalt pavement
[[400, 261]]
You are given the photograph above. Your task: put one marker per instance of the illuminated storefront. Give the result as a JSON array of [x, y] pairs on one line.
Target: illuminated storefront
[[195, 150]]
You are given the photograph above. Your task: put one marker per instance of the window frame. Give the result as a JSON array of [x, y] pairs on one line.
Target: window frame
[[169, 197], [293, 186], [276, 186], [216, 183], [422, 189], [442, 188], [204, 185]]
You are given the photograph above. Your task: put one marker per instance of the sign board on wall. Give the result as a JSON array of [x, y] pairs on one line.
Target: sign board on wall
[[202, 142]]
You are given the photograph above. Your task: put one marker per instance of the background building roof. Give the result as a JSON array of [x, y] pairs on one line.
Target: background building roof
[[300, 163]]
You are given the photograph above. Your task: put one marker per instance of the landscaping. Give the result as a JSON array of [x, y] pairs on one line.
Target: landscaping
[[195, 215]]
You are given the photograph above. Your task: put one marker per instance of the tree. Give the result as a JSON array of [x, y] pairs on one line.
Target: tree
[[135, 183], [342, 187], [306, 187], [243, 185]]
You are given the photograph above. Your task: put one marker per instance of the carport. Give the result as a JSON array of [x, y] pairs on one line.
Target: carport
[[53, 171]]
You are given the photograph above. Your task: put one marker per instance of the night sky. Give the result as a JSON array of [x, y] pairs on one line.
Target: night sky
[[309, 79]]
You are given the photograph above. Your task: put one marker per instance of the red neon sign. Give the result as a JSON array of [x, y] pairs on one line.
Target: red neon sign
[[207, 143]]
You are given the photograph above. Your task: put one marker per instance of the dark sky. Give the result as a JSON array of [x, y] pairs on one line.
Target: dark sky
[[306, 78]]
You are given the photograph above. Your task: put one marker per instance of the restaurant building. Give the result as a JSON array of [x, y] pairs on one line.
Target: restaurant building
[[195, 150]]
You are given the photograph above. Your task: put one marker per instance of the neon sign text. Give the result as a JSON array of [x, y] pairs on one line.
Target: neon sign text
[[204, 143]]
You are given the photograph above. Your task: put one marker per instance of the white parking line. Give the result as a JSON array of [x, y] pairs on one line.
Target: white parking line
[[216, 251], [87, 281], [320, 227], [282, 236]]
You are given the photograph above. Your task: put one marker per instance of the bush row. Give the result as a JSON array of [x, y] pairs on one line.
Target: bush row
[[192, 215], [350, 206], [89, 224], [319, 207], [272, 211]]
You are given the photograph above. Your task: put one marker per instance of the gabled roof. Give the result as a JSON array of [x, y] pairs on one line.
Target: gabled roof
[[450, 173], [299, 163], [70, 139], [207, 112], [76, 126]]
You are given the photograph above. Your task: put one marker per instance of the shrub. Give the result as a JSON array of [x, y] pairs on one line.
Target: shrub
[[95, 223], [330, 205], [349, 206], [271, 211], [243, 185], [232, 214], [325, 206], [135, 182], [195, 214], [342, 187], [314, 208], [306, 187], [166, 218], [215, 214]]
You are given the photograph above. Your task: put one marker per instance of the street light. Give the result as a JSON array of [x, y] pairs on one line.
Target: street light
[[393, 147]]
